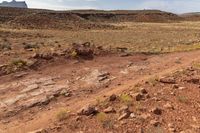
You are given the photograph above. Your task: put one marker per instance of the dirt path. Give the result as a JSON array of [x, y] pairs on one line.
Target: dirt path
[[25, 104]]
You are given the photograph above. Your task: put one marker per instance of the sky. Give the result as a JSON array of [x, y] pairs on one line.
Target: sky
[[176, 6]]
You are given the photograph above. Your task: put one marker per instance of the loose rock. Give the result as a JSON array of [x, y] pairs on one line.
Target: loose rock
[[132, 115], [138, 96], [124, 109], [39, 131], [109, 110], [125, 115], [143, 91], [168, 106], [156, 111], [87, 110], [167, 80], [155, 123], [113, 97]]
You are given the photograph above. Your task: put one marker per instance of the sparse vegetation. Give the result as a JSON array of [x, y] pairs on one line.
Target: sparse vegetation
[[183, 99], [29, 46], [5, 46], [101, 117], [127, 99], [19, 63], [153, 81], [101, 103], [104, 120], [62, 114], [122, 56], [74, 54], [196, 65]]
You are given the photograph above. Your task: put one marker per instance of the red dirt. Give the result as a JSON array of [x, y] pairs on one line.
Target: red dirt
[[81, 79]]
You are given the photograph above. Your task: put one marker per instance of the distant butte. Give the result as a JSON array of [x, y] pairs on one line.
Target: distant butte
[[14, 3]]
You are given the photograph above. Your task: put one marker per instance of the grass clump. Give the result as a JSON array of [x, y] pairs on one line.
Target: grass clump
[[5, 46], [183, 99], [101, 117], [62, 115], [125, 98], [74, 54], [102, 103], [104, 120], [153, 81], [28, 46], [19, 63], [196, 65]]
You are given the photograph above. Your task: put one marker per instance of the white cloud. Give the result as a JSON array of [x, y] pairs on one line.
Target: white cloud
[[57, 4]]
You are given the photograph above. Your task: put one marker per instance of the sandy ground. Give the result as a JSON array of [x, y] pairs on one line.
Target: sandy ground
[[31, 99], [81, 79]]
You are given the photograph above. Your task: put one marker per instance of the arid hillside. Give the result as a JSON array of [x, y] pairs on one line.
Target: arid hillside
[[79, 19], [194, 16]]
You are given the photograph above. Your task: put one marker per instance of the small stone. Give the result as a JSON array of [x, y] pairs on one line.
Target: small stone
[[173, 93], [175, 86], [5, 121], [157, 111], [147, 96], [65, 93], [196, 127], [167, 80], [155, 123], [144, 116], [30, 88], [172, 130], [181, 88], [87, 110], [170, 125], [78, 118], [113, 97], [80, 132], [125, 115], [194, 119], [109, 110], [138, 96], [143, 91], [20, 75], [37, 102], [168, 106], [124, 109], [39, 131], [194, 80], [132, 115]]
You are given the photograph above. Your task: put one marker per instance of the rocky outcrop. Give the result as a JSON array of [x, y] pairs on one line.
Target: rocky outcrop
[[18, 4]]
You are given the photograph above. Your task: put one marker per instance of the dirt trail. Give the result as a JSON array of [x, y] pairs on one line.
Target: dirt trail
[[86, 82]]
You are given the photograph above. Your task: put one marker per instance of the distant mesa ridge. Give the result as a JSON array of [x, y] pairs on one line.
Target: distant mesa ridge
[[14, 3]]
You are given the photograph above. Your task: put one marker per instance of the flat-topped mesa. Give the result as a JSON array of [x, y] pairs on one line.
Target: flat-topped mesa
[[14, 3]]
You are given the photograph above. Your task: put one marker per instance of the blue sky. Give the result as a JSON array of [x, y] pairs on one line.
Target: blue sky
[[177, 6]]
